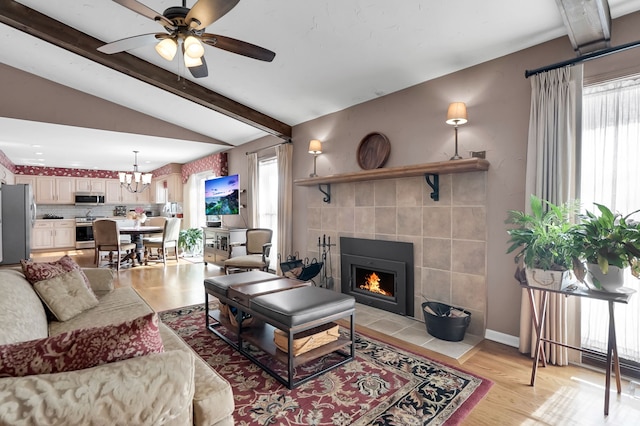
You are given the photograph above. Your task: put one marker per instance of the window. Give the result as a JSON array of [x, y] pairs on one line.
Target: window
[[268, 201], [610, 176]]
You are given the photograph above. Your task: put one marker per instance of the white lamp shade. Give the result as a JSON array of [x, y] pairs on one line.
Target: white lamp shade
[[193, 47], [191, 62], [146, 178], [315, 147], [167, 48], [122, 176], [457, 113]]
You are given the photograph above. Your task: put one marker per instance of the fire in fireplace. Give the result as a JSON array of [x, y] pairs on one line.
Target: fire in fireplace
[[376, 282], [378, 273]]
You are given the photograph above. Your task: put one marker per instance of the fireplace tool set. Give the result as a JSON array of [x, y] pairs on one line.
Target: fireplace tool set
[[326, 281]]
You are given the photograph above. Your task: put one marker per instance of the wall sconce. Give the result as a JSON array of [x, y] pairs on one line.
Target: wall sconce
[[456, 115], [315, 148]]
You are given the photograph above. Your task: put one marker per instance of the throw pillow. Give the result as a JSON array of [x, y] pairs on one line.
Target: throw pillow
[[38, 271], [66, 295], [82, 348]]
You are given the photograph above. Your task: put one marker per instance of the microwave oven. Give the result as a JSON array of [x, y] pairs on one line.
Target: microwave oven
[[89, 199]]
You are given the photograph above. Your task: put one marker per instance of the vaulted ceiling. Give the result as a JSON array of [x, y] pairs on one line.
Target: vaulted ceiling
[[329, 55]]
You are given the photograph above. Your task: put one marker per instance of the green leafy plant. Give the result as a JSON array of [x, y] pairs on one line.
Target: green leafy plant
[[610, 239], [546, 238], [190, 239]]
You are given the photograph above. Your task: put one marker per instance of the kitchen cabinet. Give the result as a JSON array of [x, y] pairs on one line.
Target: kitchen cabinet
[[55, 190], [49, 234], [93, 185], [115, 194], [26, 179], [168, 189], [216, 244]]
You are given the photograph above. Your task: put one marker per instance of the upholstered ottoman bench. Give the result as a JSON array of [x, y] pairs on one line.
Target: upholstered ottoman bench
[[300, 309], [288, 305]]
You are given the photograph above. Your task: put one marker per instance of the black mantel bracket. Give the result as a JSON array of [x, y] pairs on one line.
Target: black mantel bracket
[[327, 193], [433, 180]]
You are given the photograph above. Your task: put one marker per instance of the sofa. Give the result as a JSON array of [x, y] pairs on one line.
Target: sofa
[[171, 387]]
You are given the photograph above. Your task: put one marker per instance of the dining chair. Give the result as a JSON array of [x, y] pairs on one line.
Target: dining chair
[[168, 240], [107, 239], [258, 246]]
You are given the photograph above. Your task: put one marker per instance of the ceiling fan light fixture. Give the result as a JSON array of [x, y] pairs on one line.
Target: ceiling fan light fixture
[[190, 62], [167, 48], [193, 47]]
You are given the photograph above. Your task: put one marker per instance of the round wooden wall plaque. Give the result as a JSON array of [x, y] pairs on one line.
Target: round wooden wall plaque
[[373, 151]]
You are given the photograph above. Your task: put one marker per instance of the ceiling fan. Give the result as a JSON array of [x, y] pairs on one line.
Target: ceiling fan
[[185, 28]]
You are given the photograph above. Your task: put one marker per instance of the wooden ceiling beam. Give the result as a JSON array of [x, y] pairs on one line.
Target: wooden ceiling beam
[[43, 27]]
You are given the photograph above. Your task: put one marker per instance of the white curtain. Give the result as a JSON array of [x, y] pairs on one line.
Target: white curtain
[[193, 205], [252, 172], [554, 126], [190, 208], [284, 153], [610, 158]]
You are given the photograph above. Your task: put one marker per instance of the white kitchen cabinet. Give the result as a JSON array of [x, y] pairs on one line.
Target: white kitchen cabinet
[[28, 179], [115, 194], [55, 190], [50, 234], [168, 189], [94, 185]]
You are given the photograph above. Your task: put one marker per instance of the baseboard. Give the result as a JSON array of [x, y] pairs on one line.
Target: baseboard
[[505, 339]]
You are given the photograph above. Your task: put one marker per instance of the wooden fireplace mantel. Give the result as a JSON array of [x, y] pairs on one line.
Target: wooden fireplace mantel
[[431, 171]]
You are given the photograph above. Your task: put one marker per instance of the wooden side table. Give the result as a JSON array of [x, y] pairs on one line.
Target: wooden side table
[[538, 318]]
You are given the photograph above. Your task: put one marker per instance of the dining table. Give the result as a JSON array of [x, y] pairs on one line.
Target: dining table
[[137, 233]]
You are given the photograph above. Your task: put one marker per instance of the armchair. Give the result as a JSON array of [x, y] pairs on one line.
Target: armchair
[[258, 246]]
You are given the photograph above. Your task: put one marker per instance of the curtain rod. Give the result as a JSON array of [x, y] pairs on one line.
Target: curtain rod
[[267, 147], [584, 58]]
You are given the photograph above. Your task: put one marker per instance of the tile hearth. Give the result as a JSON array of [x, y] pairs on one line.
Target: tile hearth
[[412, 331]]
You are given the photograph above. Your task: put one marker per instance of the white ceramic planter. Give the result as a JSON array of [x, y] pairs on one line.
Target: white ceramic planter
[[611, 281]]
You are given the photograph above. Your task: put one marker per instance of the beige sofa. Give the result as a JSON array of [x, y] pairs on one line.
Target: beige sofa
[[174, 387]]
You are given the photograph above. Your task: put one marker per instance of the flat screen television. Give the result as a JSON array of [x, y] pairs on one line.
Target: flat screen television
[[221, 195]]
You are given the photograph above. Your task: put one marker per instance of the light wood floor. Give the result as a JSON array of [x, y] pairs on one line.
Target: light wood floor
[[562, 395]]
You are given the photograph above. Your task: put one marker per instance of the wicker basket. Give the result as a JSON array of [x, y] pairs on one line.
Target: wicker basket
[[308, 339], [225, 311]]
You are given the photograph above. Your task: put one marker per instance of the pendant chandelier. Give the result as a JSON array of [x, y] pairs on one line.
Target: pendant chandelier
[[136, 181]]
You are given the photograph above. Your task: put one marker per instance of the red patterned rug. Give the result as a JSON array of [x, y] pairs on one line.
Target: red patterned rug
[[384, 385]]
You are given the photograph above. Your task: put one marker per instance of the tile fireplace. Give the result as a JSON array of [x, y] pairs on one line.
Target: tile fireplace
[[378, 273]]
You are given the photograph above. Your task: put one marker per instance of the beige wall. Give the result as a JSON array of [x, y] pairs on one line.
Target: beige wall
[[498, 100], [29, 97]]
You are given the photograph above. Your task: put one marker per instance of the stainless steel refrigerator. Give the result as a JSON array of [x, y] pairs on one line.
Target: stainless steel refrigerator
[[18, 216]]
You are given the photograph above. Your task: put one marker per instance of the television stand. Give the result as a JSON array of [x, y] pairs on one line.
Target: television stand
[[217, 242]]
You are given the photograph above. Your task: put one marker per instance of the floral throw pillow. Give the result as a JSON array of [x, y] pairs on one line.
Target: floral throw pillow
[[82, 348], [38, 271]]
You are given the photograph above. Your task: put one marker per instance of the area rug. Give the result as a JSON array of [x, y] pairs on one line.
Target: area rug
[[384, 385]]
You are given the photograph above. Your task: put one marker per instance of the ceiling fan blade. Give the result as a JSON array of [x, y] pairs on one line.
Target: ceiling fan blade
[[146, 11], [129, 43], [200, 71], [205, 12], [238, 46]]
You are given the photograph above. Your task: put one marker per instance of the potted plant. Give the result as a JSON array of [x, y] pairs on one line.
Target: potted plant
[[545, 242], [609, 243], [190, 240]]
